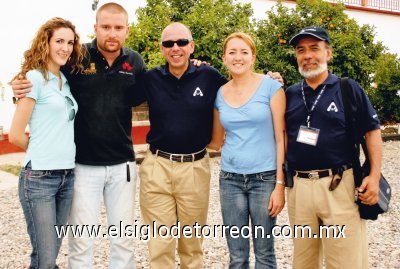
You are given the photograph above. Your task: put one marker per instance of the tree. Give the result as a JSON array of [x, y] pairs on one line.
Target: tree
[[355, 54], [386, 95], [144, 36], [354, 51], [209, 29]]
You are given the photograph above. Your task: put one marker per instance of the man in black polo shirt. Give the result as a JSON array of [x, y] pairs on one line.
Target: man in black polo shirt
[[175, 175], [317, 147], [105, 160]]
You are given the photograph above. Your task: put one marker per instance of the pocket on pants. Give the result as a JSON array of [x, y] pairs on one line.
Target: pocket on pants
[[224, 175], [268, 176], [33, 174], [37, 174], [23, 173]]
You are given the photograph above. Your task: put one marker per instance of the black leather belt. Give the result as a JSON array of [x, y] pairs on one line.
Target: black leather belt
[[322, 173], [179, 157]]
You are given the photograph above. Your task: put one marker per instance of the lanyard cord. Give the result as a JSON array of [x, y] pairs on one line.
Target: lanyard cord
[[310, 111]]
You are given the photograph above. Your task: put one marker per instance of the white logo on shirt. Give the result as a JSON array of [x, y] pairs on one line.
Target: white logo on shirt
[[333, 107], [197, 92]]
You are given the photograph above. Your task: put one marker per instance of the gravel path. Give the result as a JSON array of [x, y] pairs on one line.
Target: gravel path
[[384, 235]]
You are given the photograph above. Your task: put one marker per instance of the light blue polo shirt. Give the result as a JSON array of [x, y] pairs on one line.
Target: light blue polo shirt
[[51, 140], [249, 146]]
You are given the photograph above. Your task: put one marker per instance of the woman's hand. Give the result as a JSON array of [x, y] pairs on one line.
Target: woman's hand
[[277, 200]]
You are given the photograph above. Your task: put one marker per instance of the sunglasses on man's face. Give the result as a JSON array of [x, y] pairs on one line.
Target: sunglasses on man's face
[[179, 42]]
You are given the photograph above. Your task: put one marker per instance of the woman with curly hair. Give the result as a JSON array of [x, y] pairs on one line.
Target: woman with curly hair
[[46, 179]]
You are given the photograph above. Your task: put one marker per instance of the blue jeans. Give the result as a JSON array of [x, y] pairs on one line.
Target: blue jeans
[[244, 196], [46, 197]]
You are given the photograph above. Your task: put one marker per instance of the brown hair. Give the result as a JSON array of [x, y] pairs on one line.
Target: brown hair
[[38, 55], [113, 8]]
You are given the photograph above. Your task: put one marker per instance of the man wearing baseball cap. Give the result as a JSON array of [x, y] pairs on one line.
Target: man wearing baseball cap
[[319, 156]]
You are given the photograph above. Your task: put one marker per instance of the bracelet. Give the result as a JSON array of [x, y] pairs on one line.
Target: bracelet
[[278, 181]]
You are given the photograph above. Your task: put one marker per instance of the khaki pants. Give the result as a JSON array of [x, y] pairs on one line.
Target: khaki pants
[[170, 192], [311, 203]]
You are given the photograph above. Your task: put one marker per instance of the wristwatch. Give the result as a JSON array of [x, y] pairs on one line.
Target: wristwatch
[[15, 100]]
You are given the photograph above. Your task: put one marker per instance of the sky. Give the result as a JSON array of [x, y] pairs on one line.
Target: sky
[[20, 19]]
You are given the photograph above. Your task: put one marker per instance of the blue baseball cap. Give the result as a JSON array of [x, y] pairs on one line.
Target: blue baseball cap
[[311, 31]]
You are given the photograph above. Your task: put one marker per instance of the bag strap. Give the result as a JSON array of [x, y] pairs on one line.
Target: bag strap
[[350, 133]]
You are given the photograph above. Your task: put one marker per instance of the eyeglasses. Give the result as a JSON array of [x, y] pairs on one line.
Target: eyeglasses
[[70, 109], [171, 43]]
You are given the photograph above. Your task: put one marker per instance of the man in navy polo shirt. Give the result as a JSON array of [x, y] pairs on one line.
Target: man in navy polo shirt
[[317, 148], [175, 175]]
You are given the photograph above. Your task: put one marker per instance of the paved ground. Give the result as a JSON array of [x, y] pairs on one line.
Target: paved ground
[[8, 180], [12, 158], [383, 235]]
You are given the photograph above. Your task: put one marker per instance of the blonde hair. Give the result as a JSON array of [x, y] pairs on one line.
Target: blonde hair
[[112, 8], [243, 36], [38, 55]]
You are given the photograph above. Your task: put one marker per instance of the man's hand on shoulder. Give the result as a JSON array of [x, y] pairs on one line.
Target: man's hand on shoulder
[[198, 63], [21, 87], [277, 76]]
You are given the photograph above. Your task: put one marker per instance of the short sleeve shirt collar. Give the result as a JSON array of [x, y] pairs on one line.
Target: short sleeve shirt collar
[[54, 78], [329, 81], [165, 70]]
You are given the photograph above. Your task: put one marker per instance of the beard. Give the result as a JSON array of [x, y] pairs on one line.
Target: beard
[[108, 48], [314, 72]]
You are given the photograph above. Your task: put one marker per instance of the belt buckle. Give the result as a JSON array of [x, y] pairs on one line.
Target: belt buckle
[[313, 175], [177, 156]]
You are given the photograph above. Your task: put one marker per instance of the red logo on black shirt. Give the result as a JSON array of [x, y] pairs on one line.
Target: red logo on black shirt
[[126, 66]]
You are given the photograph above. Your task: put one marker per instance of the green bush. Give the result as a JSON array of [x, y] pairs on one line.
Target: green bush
[[354, 49], [12, 169], [386, 95], [209, 20]]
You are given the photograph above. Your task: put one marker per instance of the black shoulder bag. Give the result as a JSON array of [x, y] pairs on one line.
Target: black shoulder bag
[[366, 211]]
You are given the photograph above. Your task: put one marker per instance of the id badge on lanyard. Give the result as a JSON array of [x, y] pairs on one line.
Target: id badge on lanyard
[[308, 135]]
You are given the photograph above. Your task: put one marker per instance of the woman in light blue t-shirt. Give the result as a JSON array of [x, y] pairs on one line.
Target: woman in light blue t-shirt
[[249, 110], [46, 179]]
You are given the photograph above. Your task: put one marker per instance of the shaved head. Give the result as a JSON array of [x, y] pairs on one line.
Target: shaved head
[[177, 26]]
